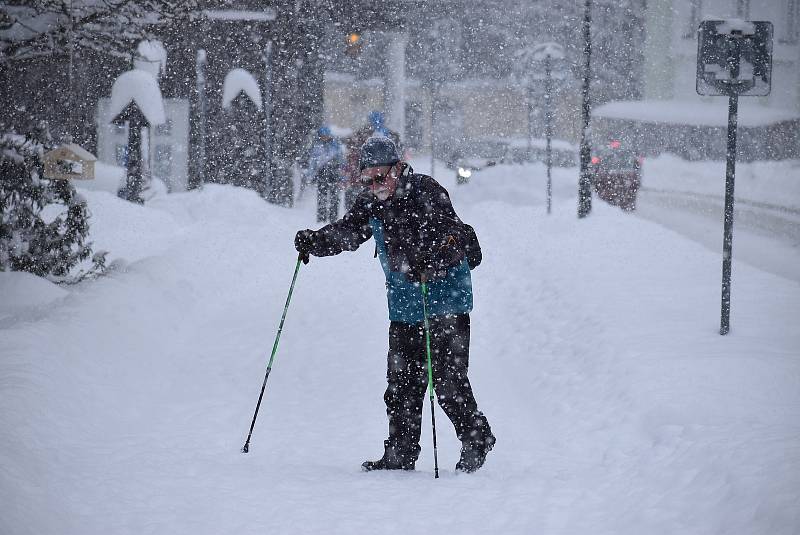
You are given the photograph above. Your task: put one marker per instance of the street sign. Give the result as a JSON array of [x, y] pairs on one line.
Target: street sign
[[734, 56]]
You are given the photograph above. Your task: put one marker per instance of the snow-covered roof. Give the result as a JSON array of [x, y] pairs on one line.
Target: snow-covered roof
[[141, 87], [77, 150], [268, 14], [694, 112], [240, 81], [538, 143]]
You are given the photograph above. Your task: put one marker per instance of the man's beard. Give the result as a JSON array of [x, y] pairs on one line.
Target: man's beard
[[383, 194]]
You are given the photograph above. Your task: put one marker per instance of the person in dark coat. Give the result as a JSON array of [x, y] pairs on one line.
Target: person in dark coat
[[418, 238]]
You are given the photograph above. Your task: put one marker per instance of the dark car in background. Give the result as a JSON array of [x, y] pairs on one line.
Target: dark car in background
[[616, 174]]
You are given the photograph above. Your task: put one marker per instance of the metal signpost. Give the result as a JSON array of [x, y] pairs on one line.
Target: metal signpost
[[734, 58], [549, 53], [543, 61], [585, 179]]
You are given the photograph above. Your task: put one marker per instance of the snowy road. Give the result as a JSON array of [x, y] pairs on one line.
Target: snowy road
[[765, 236], [617, 407], [688, 197]]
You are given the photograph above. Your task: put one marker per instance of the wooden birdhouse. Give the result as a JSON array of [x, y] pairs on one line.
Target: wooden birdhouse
[[69, 162]]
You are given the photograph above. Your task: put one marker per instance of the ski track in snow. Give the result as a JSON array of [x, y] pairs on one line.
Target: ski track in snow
[[617, 406]]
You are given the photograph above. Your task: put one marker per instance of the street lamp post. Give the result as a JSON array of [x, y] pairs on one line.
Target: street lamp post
[[585, 181], [548, 128]]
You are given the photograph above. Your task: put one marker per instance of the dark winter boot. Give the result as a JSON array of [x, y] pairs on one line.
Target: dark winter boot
[[473, 453], [394, 458]]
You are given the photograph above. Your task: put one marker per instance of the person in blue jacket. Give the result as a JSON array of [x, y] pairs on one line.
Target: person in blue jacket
[[325, 159], [418, 237]]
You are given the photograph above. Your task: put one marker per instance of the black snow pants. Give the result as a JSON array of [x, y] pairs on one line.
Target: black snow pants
[[327, 194], [407, 375]]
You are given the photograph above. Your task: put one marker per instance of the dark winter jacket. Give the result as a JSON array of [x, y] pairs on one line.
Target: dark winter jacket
[[416, 230]]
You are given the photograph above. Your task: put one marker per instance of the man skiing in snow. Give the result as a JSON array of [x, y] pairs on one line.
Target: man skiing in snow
[[419, 238]]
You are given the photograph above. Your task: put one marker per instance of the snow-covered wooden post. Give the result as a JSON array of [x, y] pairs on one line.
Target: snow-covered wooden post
[[136, 100], [241, 142], [734, 57], [136, 121]]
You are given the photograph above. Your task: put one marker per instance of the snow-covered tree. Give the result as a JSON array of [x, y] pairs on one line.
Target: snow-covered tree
[[36, 28], [54, 54], [43, 223]]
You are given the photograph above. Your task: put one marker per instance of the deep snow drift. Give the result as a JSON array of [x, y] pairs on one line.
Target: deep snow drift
[[617, 406]]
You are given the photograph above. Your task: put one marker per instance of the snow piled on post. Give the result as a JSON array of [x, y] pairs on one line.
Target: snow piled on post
[[141, 87], [151, 57], [240, 81]]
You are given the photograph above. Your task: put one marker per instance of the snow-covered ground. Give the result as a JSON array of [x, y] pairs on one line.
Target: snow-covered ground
[[617, 406]]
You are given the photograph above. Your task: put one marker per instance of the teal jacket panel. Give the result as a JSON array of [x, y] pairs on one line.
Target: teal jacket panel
[[450, 295]]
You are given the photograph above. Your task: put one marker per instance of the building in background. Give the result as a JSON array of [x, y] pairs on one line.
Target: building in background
[[280, 43], [466, 52], [673, 118]]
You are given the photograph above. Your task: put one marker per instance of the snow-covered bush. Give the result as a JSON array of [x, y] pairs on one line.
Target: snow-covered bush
[[43, 223]]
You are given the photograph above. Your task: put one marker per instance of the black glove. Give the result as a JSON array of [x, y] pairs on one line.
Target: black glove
[[423, 270], [434, 263], [304, 242], [423, 274]]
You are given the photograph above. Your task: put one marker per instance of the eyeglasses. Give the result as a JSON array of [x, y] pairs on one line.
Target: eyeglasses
[[377, 180]]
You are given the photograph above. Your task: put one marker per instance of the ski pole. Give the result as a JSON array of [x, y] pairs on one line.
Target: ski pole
[[246, 447], [430, 374]]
